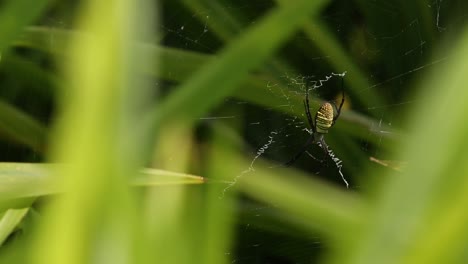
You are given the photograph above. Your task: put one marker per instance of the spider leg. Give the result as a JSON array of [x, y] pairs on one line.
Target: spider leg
[[311, 139], [309, 116], [338, 109], [324, 145], [307, 110], [301, 151]]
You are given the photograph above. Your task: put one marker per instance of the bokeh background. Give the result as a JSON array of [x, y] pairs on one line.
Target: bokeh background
[[157, 131]]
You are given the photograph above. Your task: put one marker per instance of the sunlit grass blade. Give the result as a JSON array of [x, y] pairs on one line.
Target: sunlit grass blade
[[156, 177], [96, 136], [219, 216], [32, 180], [10, 221], [22, 180]]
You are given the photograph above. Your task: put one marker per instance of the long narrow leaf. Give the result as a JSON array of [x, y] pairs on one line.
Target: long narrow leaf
[[219, 78]]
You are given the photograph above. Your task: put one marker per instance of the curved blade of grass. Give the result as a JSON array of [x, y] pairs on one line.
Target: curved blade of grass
[[22, 180], [218, 79], [10, 221]]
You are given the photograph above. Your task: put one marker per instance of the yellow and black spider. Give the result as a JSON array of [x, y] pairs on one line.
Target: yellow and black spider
[[325, 118]]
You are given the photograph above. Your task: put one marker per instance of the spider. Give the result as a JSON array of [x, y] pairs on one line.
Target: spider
[[325, 118]]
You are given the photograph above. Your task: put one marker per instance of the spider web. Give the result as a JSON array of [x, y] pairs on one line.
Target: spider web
[[400, 48], [393, 57], [295, 124]]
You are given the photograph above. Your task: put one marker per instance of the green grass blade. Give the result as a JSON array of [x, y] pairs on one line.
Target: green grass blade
[[10, 221], [96, 137], [156, 177], [221, 77], [178, 65], [23, 180]]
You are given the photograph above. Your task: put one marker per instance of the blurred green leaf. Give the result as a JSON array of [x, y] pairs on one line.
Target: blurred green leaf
[[96, 136], [10, 221], [254, 89], [21, 180], [221, 77], [15, 16]]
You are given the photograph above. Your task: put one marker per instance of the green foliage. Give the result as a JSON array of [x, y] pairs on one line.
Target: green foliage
[[104, 123]]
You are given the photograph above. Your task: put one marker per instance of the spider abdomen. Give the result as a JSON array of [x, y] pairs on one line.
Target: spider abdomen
[[324, 118]]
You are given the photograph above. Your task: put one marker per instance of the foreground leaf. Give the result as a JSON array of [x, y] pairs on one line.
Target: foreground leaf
[[22, 180]]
